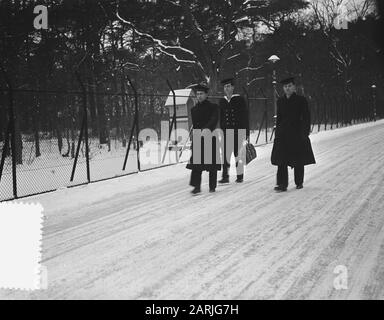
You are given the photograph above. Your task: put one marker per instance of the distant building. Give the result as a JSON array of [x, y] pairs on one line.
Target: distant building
[[185, 100]]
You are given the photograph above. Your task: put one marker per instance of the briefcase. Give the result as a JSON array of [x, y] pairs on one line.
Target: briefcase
[[250, 152]]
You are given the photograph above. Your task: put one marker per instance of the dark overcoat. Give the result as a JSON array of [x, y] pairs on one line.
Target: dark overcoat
[[292, 146], [205, 115]]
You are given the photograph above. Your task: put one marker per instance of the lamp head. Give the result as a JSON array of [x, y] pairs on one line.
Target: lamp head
[[273, 59]]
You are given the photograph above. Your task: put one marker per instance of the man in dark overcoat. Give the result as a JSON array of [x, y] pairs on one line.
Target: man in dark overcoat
[[292, 146], [205, 117], [233, 115]]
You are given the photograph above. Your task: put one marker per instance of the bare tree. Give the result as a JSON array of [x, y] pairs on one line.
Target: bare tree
[[204, 35]]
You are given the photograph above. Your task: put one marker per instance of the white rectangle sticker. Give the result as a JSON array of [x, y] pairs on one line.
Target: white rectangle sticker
[[20, 245]]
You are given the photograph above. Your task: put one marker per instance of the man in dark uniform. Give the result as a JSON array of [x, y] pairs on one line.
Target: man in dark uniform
[[292, 146], [233, 115], [205, 116]]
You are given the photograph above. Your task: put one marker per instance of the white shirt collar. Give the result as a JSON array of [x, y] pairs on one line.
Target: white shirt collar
[[234, 95]]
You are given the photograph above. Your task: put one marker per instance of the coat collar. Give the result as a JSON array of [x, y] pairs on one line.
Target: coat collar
[[234, 95], [202, 103], [293, 95]]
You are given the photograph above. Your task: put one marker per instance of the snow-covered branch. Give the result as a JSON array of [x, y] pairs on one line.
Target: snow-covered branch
[[254, 80], [164, 48], [174, 3], [250, 69], [177, 59], [227, 43]]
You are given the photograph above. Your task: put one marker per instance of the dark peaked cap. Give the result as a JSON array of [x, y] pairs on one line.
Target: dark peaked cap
[[228, 80], [202, 86], [288, 80]]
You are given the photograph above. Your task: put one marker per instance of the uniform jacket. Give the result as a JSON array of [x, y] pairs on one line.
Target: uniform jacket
[[292, 146], [234, 113]]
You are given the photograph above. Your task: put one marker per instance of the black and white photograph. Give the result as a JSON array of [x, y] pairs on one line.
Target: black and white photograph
[[206, 152]]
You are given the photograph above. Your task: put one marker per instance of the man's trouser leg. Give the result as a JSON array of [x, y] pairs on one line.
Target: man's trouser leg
[[196, 178], [226, 163], [299, 175], [239, 164], [212, 179], [282, 176]]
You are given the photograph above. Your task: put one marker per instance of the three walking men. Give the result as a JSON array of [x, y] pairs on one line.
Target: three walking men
[[291, 148]]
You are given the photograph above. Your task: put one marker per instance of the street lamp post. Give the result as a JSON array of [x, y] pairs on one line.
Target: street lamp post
[[273, 59], [374, 101]]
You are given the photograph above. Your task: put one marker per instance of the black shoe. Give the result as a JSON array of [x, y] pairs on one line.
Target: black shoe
[[300, 186], [196, 190], [239, 180], [224, 180], [280, 189], [212, 190]]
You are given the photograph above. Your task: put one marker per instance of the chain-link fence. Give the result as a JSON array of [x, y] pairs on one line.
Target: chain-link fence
[[51, 140]]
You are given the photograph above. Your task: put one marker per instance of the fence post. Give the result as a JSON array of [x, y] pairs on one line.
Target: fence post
[[189, 138], [266, 121], [325, 112], [342, 119], [331, 109], [83, 132], [174, 114], [248, 109], [319, 119], [5, 149], [353, 109], [313, 113], [337, 111], [85, 117], [77, 150], [374, 102], [265, 114], [173, 123], [11, 130], [347, 111], [134, 126]]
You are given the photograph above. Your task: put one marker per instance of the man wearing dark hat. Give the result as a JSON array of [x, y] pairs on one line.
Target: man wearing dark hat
[[292, 146], [205, 116], [233, 115]]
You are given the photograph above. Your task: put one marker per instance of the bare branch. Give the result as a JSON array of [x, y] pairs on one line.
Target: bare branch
[[254, 80], [173, 3], [177, 59], [251, 68], [163, 47]]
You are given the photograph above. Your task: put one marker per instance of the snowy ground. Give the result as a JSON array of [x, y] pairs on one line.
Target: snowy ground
[[145, 237]]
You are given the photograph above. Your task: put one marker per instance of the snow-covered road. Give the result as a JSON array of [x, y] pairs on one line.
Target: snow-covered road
[[145, 237]]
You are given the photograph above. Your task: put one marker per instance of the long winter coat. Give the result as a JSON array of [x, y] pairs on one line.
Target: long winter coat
[[292, 146], [205, 115]]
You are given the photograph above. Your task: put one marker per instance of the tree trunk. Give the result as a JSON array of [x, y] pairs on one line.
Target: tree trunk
[[59, 138], [72, 141], [3, 118], [36, 134], [92, 103], [101, 120], [124, 115], [19, 141], [35, 124]]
